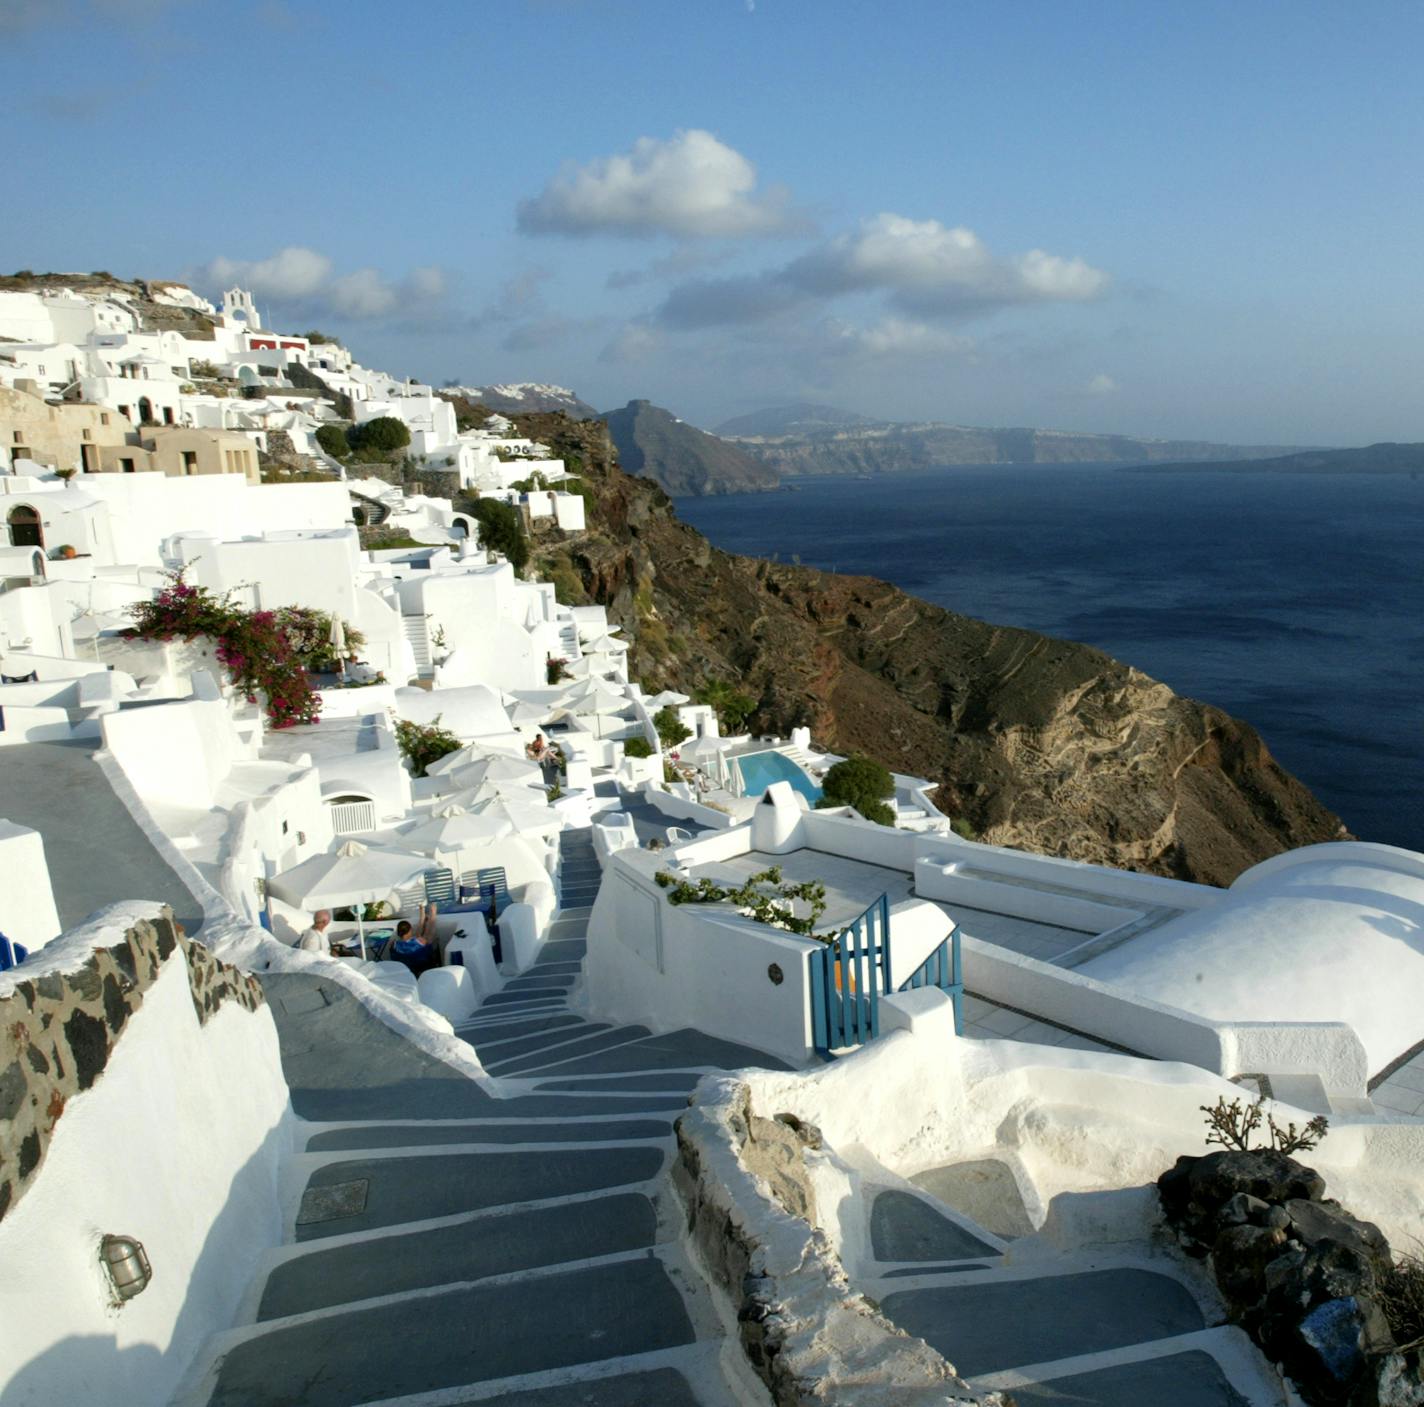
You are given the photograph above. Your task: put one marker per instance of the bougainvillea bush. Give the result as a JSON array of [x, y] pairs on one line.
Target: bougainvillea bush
[[253, 646]]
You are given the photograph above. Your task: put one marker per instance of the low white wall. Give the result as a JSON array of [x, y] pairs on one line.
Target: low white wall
[[1331, 1049], [41, 725], [676, 808], [174, 752], [717, 845], [178, 1144], [669, 966], [27, 912], [946, 883]]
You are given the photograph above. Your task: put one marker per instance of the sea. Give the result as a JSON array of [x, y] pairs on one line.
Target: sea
[[1294, 601]]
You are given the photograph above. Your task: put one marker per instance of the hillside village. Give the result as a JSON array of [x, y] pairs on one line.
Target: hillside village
[[402, 1002]]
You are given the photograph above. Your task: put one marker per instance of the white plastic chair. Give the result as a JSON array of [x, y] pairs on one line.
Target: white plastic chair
[[676, 835]]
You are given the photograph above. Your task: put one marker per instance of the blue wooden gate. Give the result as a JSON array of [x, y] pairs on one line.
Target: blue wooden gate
[[848, 976], [851, 973]]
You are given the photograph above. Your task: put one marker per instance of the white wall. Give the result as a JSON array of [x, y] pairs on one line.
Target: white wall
[[178, 1143], [670, 966], [27, 912], [175, 753]]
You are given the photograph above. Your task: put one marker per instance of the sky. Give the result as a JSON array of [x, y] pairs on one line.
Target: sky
[[1188, 220]]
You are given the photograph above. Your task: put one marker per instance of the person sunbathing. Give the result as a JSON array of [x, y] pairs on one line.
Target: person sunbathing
[[417, 948]]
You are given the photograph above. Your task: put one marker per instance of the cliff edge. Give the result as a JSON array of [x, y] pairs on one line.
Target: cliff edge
[[1039, 743]]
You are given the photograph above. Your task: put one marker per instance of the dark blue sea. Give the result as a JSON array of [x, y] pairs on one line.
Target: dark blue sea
[[1295, 602]]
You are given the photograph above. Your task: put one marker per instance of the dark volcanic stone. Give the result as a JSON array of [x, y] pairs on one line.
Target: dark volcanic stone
[[89, 1043], [1314, 1222], [29, 1157], [1243, 1208], [12, 1090], [1327, 1351], [116, 1009], [1239, 1257], [1196, 1191]]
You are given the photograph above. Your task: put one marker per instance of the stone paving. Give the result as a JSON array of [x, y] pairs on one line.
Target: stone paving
[[520, 1249]]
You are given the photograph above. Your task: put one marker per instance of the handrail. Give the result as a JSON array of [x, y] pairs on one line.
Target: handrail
[[944, 968]]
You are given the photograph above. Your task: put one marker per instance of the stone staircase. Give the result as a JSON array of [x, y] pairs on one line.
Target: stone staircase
[[417, 633], [1089, 1330], [474, 1248]]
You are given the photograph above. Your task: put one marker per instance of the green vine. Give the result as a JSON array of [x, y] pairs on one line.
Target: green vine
[[773, 907]]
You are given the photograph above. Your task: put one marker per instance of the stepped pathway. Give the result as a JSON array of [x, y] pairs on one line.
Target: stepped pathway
[[454, 1247], [1089, 1331]]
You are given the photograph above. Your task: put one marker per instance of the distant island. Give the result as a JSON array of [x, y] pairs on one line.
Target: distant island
[[817, 439], [1384, 458]]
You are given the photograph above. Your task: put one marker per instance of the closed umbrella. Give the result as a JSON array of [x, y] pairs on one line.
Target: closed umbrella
[[353, 874], [338, 643]]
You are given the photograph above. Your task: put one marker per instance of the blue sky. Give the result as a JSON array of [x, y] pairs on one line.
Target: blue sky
[[1193, 219]]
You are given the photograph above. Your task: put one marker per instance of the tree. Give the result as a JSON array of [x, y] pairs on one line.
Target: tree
[[733, 707], [381, 435], [332, 438], [637, 747], [862, 783], [501, 528], [671, 728]]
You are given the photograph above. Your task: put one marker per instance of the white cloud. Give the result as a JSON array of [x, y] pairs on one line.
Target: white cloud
[[304, 281], [929, 268], [293, 272], [903, 337], [1102, 385], [690, 186]]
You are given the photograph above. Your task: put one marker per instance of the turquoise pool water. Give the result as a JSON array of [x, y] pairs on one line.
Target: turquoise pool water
[[761, 769]]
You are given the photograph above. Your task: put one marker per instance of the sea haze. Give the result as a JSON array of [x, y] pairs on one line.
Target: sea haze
[[1294, 602]]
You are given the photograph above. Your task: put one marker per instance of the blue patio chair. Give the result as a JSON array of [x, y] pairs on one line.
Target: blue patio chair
[[11, 954], [440, 888]]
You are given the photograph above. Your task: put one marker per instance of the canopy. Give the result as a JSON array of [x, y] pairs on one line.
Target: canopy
[[528, 818], [668, 698], [453, 829], [502, 770], [351, 874]]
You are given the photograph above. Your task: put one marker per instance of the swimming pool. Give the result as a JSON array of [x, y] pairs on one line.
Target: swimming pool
[[760, 769]]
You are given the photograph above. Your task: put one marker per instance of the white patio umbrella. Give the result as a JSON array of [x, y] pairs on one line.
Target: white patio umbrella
[[353, 874], [668, 698], [338, 643], [472, 752], [594, 697], [527, 818], [499, 770], [522, 713], [452, 829]]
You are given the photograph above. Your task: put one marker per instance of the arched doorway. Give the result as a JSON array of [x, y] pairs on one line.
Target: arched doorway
[[26, 530], [145, 411], [460, 528]]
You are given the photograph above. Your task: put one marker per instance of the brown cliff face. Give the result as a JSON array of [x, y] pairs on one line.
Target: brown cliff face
[[1039, 743]]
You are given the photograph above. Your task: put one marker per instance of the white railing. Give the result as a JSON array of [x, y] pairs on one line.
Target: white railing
[[351, 817]]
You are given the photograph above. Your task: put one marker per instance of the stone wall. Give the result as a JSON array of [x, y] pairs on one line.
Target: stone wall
[[751, 1210], [59, 1030]]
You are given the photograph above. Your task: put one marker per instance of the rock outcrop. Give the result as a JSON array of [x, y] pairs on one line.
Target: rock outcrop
[[1038, 743], [1303, 1277], [682, 459]]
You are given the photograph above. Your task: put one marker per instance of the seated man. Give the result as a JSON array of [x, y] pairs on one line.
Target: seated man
[[537, 748], [417, 948], [314, 939]]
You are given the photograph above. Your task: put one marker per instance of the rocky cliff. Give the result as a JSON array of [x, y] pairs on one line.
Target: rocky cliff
[[684, 460], [1035, 742]]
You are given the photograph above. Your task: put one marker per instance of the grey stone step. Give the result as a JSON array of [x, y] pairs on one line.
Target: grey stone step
[[527, 1026], [495, 1053], [458, 1337], [363, 1137], [472, 1250], [660, 1387], [445, 1184], [1188, 1379], [677, 1050], [905, 1227], [958, 1268], [649, 1079], [558, 968], [541, 981], [587, 1047], [539, 991], [987, 1326]]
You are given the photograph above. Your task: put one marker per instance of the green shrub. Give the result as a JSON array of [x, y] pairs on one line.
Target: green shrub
[[381, 435], [671, 728], [424, 743], [862, 783], [332, 438], [637, 747], [501, 528], [733, 707]]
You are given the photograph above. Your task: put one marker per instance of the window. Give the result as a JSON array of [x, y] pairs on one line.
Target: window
[[88, 434], [168, 415], [17, 437], [103, 417], [190, 461], [127, 465]]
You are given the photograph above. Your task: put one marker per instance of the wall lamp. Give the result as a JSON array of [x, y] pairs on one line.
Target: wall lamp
[[127, 1263]]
